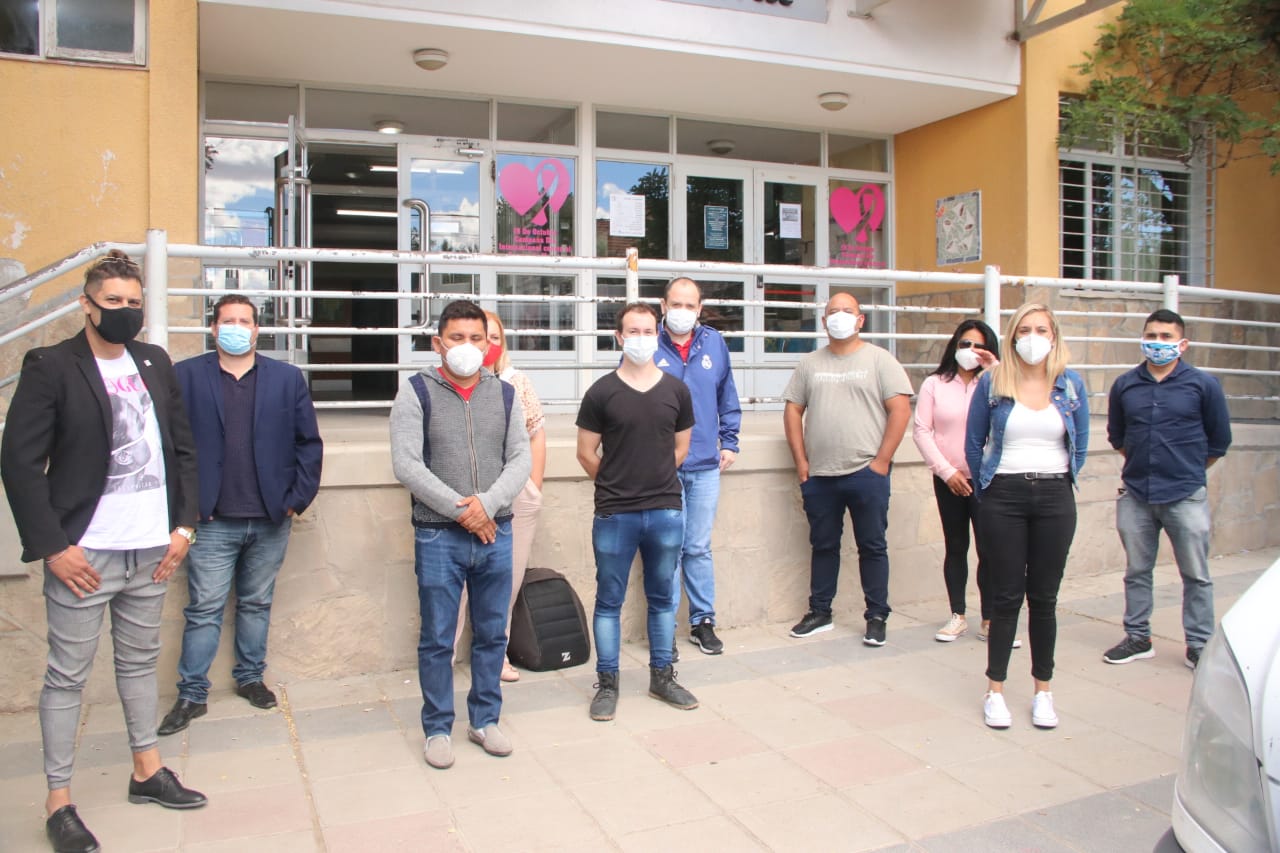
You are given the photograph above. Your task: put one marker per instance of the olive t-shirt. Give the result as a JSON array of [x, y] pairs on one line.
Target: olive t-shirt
[[638, 444], [844, 397]]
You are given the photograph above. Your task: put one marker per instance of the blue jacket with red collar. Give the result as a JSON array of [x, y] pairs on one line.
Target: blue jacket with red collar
[[709, 376]]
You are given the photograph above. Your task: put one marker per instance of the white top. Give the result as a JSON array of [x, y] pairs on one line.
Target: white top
[[133, 511], [1035, 440]]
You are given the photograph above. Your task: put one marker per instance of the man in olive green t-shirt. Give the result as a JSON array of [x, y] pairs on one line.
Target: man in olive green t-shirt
[[847, 408]]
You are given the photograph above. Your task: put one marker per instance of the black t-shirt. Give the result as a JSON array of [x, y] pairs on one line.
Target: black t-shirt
[[637, 429]]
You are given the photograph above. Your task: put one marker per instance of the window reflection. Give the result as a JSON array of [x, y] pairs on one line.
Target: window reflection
[[715, 218], [537, 315], [451, 190], [779, 319], [239, 190], [652, 181]]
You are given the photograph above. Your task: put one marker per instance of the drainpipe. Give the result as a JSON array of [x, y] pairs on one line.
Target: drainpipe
[[991, 297], [156, 275], [1171, 292]]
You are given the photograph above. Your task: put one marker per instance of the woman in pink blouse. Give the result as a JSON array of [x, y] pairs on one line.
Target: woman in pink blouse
[[942, 409]]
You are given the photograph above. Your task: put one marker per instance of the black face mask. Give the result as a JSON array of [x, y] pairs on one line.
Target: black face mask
[[117, 325]]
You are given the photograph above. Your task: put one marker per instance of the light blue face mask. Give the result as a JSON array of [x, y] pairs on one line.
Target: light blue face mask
[[1160, 353], [234, 340]]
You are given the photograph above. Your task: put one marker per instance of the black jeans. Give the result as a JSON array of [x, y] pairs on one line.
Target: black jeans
[[1026, 527], [957, 514]]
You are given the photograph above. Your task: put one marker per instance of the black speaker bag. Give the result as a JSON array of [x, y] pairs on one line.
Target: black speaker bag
[[548, 624]]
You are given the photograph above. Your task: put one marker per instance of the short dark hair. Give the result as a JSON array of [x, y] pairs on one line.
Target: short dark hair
[[1164, 315], [666, 291], [461, 309], [634, 307], [234, 299], [115, 265]]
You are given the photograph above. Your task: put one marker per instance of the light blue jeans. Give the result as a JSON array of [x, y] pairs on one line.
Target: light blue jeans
[[1189, 527], [615, 538], [701, 493], [246, 553]]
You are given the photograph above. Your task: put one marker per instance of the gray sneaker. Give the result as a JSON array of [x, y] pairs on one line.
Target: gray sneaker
[[439, 752], [491, 739], [662, 685], [605, 703]]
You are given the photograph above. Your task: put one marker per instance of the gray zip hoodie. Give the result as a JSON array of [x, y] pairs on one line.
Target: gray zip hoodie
[[476, 449]]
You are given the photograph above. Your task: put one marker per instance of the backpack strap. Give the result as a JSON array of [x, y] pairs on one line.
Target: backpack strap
[[420, 386], [508, 400]]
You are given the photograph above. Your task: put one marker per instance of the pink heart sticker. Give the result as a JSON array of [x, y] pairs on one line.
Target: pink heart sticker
[[547, 185], [863, 210]]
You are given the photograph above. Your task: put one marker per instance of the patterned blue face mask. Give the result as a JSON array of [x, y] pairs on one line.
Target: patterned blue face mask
[[1161, 353]]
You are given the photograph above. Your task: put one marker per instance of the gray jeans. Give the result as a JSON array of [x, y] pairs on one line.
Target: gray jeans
[[1188, 525], [136, 602]]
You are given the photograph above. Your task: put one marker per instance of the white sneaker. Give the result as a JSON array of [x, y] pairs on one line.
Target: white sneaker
[[955, 626], [1042, 714], [985, 628], [995, 712]]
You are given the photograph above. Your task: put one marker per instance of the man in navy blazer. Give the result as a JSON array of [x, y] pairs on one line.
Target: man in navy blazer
[[259, 453]]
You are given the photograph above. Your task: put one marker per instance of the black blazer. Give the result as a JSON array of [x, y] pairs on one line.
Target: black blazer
[[57, 443]]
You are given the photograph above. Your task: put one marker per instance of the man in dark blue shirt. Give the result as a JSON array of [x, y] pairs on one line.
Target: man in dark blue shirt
[[1170, 423]]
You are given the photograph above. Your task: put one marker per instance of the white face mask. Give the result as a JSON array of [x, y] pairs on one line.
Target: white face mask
[[967, 359], [842, 325], [464, 359], [1033, 349], [640, 348], [681, 320]]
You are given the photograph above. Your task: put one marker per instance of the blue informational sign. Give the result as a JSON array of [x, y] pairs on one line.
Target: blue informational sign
[[715, 227]]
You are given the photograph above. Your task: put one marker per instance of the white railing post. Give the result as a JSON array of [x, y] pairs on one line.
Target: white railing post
[[1171, 292], [633, 274], [156, 275], [991, 297]]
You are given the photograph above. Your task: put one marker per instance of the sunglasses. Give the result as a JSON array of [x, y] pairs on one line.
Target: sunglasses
[[970, 345]]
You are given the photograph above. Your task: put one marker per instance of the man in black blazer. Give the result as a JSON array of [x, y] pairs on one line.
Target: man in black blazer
[[99, 468], [260, 455]]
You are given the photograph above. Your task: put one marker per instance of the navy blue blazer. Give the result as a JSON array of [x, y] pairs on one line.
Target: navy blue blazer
[[287, 450]]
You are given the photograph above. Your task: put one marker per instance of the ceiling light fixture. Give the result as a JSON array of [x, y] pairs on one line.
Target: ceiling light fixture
[[372, 214], [381, 167], [833, 101], [430, 58], [389, 126], [721, 147]]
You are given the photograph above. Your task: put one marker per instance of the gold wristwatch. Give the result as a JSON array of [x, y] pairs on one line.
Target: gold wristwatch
[[186, 533]]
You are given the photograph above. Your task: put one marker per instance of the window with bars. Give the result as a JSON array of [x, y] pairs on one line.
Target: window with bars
[[1134, 208]]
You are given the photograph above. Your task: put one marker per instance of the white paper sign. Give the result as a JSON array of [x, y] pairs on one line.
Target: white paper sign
[[789, 221], [626, 215]]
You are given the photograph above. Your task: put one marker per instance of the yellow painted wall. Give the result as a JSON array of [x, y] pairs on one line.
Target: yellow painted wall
[[1248, 208], [94, 153]]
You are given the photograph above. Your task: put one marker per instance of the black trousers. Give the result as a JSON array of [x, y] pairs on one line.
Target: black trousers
[[958, 514], [1026, 527]]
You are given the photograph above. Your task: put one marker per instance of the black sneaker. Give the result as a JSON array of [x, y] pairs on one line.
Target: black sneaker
[[703, 635], [812, 623], [875, 632], [1192, 659], [605, 703], [68, 834], [662, 685], [1129, 649]]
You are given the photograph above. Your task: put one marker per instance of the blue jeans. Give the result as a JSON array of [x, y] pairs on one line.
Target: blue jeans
[[445, 558], [244, 551], [656, 534], [1188, 525], [700, 494], [865, 494]]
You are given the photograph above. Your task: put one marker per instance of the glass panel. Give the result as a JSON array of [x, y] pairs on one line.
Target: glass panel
[[533, 123], [876, 321], [535, 205], [1152, 225], [20, 26], [607, 312], [454, 284], [537, 315], [857, 152], [451, 190], [789, 211], [650, 180], [633, 133], [723, 318], [239, 190], [858, 213], [1102, 262], [245, 278], [96, 25], [244, 102], [1071, 177], [745, 142], [423, 116], [714, 211], [789, 319]]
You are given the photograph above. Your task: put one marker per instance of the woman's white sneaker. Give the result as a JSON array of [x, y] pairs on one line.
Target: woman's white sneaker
[[1042, 714], [955, 626], [996, 712]]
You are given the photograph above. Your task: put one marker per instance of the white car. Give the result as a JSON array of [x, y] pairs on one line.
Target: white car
[[1227, 795]]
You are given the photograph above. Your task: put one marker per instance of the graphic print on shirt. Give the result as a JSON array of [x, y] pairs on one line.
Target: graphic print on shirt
[[135, 466]]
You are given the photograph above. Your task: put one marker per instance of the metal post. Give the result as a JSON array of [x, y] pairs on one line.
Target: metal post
[[1171, 292], [991, 297], [633, 274], [156, 276]]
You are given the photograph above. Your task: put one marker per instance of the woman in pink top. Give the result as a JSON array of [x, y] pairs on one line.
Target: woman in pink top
[[942, 409]]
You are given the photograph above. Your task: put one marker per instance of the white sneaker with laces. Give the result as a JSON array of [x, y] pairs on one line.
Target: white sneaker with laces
[[995, 712], [955, 626], [1042, 714]]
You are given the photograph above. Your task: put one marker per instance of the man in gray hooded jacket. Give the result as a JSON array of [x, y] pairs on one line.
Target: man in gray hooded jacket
[[459, 445]]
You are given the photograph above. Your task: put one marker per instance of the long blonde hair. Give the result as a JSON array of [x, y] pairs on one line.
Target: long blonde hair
[[504, 360], [1004, 376]]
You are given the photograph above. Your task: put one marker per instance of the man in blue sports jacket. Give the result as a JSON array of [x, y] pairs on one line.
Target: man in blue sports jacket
[[1170, 423], [698, 355], [259, 453]]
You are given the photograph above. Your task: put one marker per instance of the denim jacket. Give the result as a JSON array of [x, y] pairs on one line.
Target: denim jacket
[[988, 414]]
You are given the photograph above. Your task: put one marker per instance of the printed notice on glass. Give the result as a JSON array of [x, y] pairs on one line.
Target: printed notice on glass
[[715, 227], [789, 221], [626, 215]]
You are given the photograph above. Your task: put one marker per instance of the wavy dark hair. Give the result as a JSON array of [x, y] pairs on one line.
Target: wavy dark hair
[[947, 367]]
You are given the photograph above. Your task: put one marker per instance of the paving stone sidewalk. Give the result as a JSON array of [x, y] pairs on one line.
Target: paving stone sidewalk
[[817, 744]]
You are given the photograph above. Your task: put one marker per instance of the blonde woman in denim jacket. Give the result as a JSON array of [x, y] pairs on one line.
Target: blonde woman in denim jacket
[[1026, 438]]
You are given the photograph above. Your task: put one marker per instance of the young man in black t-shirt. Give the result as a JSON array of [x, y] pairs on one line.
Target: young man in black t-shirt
[[633, 432]]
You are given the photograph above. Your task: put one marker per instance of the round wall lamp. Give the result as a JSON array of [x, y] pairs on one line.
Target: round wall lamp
[[833, 101], [430, 58], [721, 147], [389, 126]]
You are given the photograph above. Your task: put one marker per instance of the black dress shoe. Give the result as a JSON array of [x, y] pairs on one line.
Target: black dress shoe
[[165, 789], [68, 834], [180, 716], [258, 694]]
